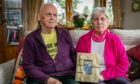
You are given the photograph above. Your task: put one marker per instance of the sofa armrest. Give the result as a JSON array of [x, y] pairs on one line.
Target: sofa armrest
[[6, 72]]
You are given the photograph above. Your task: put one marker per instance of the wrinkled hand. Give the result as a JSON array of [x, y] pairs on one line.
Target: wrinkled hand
[[101, 78], [52, 80]]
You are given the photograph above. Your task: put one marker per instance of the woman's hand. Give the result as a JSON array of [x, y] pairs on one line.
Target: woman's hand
[[52, 80], [101, 78]]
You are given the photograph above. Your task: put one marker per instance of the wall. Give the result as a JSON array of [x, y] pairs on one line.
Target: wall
[[131, 19]]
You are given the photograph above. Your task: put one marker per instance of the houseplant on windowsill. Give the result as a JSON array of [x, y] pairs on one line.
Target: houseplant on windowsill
[[79, 20]]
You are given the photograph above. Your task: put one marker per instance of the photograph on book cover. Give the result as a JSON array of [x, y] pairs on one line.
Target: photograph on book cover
[[88, 67]]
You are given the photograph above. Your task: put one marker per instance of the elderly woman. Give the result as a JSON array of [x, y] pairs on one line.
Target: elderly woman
[[114, 61]]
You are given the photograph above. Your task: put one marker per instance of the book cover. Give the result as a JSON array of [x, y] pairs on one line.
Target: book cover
[[87, 67]]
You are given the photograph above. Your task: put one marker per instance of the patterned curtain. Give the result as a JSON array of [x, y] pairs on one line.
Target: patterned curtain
[[33, 8], [68, 10], [103, 3], [117, 20], [24, 16]]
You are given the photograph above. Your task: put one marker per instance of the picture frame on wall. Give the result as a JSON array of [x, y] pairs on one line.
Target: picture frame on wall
[[13, 35], [13, 17], [135, 6], [14, 25]]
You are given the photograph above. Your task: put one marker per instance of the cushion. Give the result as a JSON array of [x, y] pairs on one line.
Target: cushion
[[76, 34], [136, 82], [134, 53], [130, 38], [6, 72]]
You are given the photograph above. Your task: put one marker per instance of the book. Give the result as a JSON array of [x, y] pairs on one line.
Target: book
[[87, 67]]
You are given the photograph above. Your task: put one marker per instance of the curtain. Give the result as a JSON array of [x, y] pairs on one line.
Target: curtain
[[117, 20], [33, 8], [103, 3], [24, 15], [96, 3], [68, 10]]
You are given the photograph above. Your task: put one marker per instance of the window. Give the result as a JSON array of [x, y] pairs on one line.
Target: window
[[81, 7], [110, 11]]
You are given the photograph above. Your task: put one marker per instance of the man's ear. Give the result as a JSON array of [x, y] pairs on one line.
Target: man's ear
[[40, 17]]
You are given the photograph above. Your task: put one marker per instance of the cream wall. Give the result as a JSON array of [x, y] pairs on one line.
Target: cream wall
[[131, 19]]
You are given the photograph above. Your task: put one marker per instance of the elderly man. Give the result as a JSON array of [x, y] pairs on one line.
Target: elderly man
[[48, 55]]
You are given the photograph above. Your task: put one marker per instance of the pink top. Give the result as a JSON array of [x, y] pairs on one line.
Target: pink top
[[116, 60]]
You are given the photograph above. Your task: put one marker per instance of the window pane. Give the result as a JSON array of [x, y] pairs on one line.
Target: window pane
[[83, 8], [110, 11]]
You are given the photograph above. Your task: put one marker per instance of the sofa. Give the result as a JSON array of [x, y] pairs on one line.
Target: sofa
[[6, 72], [130, 38]]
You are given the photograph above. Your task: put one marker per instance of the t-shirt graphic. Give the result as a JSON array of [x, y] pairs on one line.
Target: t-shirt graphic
[[50, 41]]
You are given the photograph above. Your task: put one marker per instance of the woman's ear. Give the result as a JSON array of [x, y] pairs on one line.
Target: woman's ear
[[38, 16], [108, 21]]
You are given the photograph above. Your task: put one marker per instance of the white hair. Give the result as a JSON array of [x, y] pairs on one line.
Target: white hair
[[99, 10]]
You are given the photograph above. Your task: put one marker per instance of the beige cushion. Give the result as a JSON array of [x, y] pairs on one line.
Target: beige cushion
[[76, 34], [129, 37], [136, 81], [6, 72]]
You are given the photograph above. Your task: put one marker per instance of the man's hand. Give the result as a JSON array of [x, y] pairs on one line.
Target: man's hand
[[52, 80]]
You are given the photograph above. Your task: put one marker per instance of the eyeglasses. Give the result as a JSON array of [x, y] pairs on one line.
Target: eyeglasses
[[50, 14]]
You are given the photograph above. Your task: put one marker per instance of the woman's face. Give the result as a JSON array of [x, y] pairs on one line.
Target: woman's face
[[100, 23]]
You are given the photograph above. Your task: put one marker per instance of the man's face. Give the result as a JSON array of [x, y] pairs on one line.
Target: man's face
[[48, 16]]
